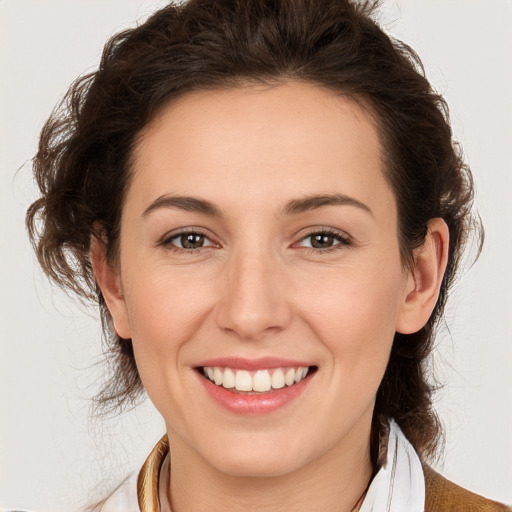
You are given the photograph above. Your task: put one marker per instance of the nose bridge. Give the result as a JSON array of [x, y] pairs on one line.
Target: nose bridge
[[254, 301]]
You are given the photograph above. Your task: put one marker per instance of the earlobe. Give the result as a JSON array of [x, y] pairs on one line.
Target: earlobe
[[424, 282], [109, 281]]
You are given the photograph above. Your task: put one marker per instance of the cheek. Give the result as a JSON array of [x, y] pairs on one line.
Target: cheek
[[164, 311], [355, 312], [160, 306]]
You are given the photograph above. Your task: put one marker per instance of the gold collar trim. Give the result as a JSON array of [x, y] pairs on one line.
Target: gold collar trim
[[147, 481]]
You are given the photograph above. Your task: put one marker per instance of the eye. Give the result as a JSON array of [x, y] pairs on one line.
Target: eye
[[324, 240], [187, 241]]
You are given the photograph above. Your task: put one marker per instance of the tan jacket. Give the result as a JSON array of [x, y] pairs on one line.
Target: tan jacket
[[441, 495]]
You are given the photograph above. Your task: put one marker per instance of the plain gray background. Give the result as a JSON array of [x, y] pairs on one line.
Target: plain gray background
[[53, 458]]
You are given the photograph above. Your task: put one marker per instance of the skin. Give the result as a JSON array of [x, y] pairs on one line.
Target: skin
[[258, 289]]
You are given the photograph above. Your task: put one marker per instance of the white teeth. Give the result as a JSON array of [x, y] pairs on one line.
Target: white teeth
[[278, 379], [300, 374], [228, 380], [243, 381], [218, 376], [289, 378], [259, 381]]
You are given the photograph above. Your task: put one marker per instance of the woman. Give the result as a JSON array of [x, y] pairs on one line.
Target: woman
[[267, 202]]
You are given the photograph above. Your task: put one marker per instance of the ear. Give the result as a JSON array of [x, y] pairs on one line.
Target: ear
[[109, 281], [424, 280]]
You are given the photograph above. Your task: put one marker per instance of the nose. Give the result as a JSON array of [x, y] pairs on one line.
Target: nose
[[254, 300]]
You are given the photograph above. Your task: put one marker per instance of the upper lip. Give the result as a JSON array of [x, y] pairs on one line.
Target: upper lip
[[260, 363]]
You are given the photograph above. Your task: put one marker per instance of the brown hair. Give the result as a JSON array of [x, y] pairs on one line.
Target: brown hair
[[83, 162]]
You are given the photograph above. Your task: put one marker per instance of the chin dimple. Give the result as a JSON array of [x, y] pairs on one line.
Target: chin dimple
[[259, 381]]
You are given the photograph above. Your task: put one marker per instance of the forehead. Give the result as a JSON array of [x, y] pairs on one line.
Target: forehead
[[293, 139]]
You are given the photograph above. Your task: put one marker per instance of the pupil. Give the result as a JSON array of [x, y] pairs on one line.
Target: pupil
[[322, 241], [192, 241]]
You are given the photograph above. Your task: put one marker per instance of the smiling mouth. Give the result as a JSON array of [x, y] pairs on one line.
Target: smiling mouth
[[255, 382]]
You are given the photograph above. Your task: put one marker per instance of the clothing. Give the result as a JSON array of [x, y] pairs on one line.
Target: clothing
[[399, 486], [403, 484], [445, 496]]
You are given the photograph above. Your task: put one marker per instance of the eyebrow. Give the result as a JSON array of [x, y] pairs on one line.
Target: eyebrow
[[294, 207], [187, 203], [309, 203]]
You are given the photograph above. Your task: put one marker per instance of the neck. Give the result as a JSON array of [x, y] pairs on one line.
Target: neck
[[333, 482]]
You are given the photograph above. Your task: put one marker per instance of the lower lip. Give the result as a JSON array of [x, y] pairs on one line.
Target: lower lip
[[262, 403]]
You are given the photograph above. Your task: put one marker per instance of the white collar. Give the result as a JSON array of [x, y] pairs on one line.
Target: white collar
[[399, 486]]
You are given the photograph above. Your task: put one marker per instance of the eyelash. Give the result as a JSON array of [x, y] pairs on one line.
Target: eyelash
[[166, 241], [343, 241]]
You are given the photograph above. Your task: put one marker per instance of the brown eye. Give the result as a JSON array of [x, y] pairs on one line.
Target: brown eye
[[187, 241], [322, 241], [192, 240]]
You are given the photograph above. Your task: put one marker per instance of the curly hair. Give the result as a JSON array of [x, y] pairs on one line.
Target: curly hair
[[83, 162]]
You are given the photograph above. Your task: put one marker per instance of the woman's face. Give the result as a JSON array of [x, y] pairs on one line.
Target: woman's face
[[259, 236]]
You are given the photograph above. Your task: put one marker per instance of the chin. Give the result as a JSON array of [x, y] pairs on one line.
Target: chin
[[255, 458]]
